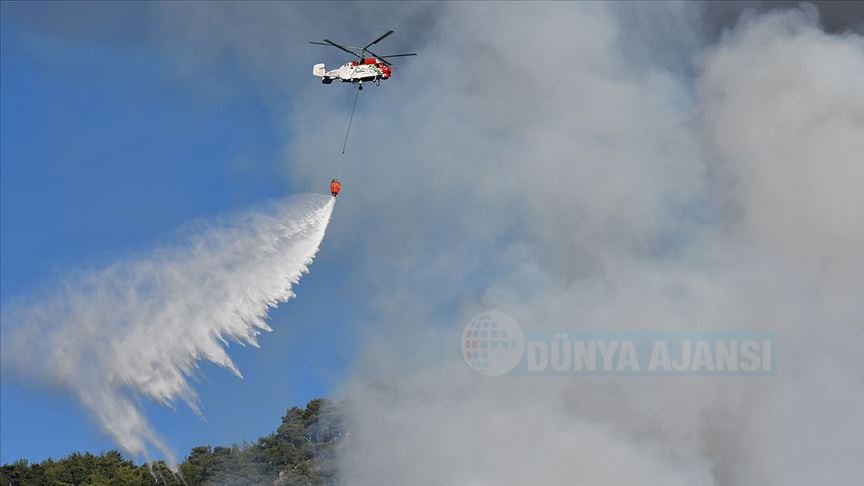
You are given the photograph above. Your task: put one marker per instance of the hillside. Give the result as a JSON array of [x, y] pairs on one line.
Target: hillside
[[300, 452]]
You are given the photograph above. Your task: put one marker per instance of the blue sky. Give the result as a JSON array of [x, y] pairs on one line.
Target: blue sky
[[103, 151]]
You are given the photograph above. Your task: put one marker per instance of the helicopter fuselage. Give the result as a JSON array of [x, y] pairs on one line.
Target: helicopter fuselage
[[369, 69]]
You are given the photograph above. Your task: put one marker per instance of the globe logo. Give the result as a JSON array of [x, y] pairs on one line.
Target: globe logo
[[492, 343]]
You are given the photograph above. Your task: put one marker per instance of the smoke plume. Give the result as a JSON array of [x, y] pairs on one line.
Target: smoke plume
[[569, 167]]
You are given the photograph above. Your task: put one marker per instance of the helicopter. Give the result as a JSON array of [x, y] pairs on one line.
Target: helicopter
[[372, 69]]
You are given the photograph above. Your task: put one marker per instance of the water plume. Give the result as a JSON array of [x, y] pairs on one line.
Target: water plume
[[140, 325]]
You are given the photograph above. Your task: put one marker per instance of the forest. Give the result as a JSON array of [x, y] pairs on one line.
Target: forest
[[300, 452]]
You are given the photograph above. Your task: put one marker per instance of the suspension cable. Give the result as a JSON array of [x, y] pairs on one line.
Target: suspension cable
[[350, 120]]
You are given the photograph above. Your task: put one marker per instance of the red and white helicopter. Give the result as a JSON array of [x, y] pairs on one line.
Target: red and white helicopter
[[372, 69]]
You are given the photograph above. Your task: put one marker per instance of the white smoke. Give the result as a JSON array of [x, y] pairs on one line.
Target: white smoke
[[139, 326], [574, 181]]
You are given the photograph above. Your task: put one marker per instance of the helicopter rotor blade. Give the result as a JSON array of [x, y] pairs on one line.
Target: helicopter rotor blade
[[355, 48], [384, 58], [328, 41], [379, 57], [378, 39]]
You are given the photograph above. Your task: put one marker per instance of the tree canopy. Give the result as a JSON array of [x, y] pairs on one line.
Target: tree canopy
[[300, 452]]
